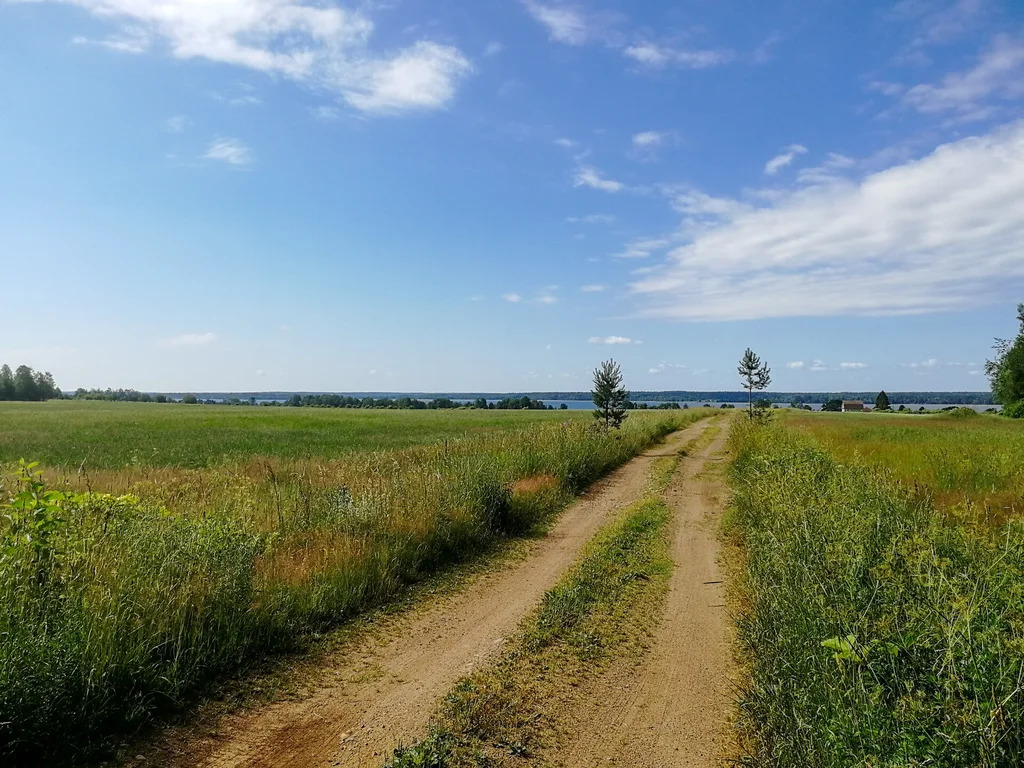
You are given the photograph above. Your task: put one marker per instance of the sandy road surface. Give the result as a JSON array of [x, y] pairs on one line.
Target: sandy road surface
[[377, 697], [673, 709]]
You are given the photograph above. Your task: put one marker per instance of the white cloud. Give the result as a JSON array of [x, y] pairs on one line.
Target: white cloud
[[593, 218], [587, 176], [999, 73], [547, 298], [131, 39], [513, 298], [796, 364], [936, 234], [592, 288], [566, 143], [648, 139], [664, 366], [787, 156], [658, 56], [828, 171], [175, 124], [613, 340], [422, 76], [564, 24], [493, 48], [319, 45], [230, 151], [850, 366], [818, 365], [931, 362], [641, 249], [190, 340]]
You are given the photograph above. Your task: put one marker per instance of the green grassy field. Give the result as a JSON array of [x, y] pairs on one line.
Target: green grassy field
[[883, 622], [122, 589], [963, 459], [108, 435]]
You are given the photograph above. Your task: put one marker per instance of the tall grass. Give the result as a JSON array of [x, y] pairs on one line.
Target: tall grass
[[960, 457], [114, 606], [879, 632]]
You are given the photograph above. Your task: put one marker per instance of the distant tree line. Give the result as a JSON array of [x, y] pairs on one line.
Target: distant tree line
[[411, 403], [27, 385]]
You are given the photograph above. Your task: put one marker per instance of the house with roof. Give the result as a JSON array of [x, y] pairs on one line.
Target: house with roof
[[853, 406]]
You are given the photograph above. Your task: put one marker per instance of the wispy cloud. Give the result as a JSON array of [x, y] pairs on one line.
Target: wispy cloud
[[592, 288], [512, 298], [853, 366], [641, 249], [649, 139], [587, 176], [939, 233], [319, 45], [572, 24], [230, 151], [593, 218], [786, 157], [818, 365], [613, 340], [998, 75], [665, 366], [659, 56], [563, 22], [796, 364], [175, 124], [190, 340]]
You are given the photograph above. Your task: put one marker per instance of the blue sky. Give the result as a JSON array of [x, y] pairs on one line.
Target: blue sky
[[497, 195]]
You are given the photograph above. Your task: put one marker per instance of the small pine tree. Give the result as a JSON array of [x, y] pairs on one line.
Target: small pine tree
[[754, 376], [609, 394], [882, 401]]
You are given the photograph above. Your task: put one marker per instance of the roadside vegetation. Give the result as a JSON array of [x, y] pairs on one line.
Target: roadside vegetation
[[884, 616], [114, 605], [505, 714]]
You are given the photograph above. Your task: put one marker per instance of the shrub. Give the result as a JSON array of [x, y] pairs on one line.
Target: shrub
[[1014, 410]]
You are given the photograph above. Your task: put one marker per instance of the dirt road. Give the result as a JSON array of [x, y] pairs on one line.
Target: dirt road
[[385, 695], [673, 709]]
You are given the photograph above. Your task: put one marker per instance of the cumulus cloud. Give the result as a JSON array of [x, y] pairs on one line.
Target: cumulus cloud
[[851, 366], [797, 364], [939, 233], [230, 151], [512, 298], [587, 176], [613, 340], [319, 45], [190, 340], [786, 157]]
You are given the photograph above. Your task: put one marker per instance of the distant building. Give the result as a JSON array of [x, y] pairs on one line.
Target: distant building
[[853, 406]]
